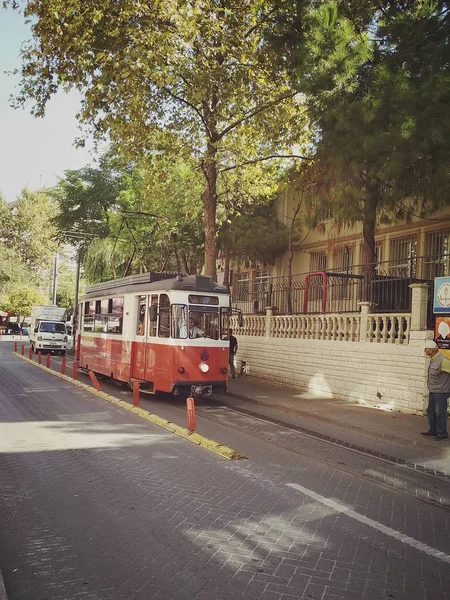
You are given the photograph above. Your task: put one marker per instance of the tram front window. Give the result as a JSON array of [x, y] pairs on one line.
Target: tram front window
[[199, 324], [204, 324]]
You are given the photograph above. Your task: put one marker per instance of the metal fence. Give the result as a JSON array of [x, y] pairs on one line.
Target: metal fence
[[385, 284]]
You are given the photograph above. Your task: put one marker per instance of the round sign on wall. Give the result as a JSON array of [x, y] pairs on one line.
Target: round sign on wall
[[443, 295]]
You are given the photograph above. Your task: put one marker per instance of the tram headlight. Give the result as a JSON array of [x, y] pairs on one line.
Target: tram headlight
[[204, 368], [223, 370], [39, 338], [180, 369]]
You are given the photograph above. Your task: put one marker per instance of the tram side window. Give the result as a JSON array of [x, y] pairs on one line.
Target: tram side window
[[140, 325], [164, 316], [115, 317], [101, 323], [89, 311], [179, 321], [152, 314]]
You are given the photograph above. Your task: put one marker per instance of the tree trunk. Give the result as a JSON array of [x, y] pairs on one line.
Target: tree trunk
[[368, 250], [226, 269], [209, 198]]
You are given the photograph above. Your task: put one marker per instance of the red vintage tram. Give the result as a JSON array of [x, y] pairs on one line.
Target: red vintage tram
[[168, 332]]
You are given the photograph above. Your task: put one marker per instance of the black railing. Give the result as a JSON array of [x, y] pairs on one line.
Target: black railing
[[385, 285]]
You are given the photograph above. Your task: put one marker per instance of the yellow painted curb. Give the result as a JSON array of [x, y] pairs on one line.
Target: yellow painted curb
[[195, 438]]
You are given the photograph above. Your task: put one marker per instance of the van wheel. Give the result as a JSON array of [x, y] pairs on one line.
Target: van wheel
[[62, 353]]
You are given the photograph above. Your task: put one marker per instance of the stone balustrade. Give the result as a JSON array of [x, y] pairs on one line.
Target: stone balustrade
[[388, 328], [351, 327], [363, 326]]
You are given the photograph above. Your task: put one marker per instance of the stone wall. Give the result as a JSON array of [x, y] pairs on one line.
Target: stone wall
[[379, 375]]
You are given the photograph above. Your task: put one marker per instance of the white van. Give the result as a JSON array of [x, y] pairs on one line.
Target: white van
[[48, 331]]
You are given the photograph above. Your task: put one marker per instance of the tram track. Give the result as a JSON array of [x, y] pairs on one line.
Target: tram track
[[420, 493], [414, 482]]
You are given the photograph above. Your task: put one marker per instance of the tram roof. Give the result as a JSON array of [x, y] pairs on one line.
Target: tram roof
[[147, 282]]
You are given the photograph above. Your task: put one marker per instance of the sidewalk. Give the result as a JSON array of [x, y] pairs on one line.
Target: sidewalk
[[391, 435]]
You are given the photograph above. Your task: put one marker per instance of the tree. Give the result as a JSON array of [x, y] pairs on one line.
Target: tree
[[124, 217], [65, 293], [28, 230], [255, 237], [192, 79], [21, 301], [379, 95], [86, 198], [27, 242]]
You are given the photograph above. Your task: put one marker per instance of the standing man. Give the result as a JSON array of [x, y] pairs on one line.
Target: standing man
[[439, 389], [233, 350]]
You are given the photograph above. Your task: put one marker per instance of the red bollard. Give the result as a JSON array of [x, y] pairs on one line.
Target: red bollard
[[94, 380], [47, 363], [63, 366], [15, 346], [190, 415], [136, 385], [30, 353], [75, 365], [22, 350], [39, 358]]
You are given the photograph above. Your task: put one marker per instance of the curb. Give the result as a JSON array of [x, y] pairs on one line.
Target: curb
[[195, 438], [375, 433]]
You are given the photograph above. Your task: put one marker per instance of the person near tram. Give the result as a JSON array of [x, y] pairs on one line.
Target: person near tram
[[194, 330], [233, 350], [439, 392]]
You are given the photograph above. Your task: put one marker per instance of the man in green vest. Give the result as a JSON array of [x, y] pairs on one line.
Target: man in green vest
[[439, 391]]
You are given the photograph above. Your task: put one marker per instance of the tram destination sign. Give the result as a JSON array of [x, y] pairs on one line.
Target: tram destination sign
[[441, 295]]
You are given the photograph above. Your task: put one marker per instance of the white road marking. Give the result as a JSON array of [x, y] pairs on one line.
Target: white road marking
[[371, 523]]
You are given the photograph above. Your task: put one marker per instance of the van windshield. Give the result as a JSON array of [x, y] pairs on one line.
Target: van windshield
[[48, 327]]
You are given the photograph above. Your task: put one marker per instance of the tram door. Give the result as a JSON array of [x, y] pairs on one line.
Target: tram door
[[152, 338], [159, 357], [140, 339]]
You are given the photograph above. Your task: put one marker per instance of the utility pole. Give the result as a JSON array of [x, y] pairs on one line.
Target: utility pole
[[55, 279], [77, 286]]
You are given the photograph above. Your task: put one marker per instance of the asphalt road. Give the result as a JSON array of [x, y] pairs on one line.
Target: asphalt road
[[96, 503]]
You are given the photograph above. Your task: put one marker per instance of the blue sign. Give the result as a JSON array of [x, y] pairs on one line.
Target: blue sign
[[441, 295]]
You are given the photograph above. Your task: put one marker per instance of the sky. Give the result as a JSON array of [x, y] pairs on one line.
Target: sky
[[33, 152]]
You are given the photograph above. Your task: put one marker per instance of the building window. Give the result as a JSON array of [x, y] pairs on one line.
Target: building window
[[242, 287], [403, 257], [261, 289], [319, 261], [341, 286], [437, 259], [343, 259]]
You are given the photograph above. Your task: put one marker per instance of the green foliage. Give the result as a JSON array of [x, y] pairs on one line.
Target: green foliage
[[27, 230], [256, 237], [20, 301], [65, 292], [86, 199], [13, 272], [192, 80], [377, 93], [102, 261], [27, 242]]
